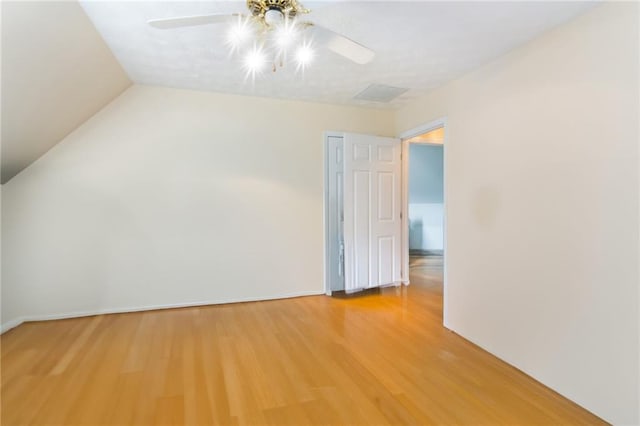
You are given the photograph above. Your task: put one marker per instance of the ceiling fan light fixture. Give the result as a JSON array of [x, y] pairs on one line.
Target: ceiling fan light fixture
[[273, 17]]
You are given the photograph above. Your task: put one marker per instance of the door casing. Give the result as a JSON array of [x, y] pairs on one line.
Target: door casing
[[405, 136]]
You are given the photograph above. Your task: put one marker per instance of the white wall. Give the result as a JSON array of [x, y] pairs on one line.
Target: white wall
[[426, 226], [542, 214], [173, 197]]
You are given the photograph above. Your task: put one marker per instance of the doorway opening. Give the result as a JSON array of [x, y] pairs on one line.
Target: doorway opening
[[424, 201], [370, 225]]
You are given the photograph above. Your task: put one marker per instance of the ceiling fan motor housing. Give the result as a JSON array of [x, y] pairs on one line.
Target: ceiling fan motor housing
[[290, 8]]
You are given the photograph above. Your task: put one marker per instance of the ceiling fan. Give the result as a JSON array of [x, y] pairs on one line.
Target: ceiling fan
[[273, 32]]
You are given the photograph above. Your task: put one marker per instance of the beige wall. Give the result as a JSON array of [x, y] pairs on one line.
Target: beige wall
[[56, 73], [173, 197], [542, 213]]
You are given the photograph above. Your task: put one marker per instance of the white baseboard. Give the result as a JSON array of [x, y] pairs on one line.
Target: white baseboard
[[77, 314], [11, 324]]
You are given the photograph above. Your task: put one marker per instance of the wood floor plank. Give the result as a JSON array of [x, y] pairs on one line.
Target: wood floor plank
[[378, 358]]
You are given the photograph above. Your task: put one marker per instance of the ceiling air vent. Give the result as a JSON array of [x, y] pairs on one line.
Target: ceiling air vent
[[380, 93]]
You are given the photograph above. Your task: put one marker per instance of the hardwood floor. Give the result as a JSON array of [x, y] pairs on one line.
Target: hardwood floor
[[378, 359]]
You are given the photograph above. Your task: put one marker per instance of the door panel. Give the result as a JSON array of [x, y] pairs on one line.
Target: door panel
[[385, 259], [385, 196], [361, 235], [372, 211]]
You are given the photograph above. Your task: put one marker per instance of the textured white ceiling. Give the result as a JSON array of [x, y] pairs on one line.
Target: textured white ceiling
[[418, 45]]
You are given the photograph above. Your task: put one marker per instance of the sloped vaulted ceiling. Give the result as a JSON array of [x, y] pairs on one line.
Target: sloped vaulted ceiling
[[56, 73]]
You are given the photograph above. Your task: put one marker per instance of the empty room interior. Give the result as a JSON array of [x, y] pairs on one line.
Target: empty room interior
[[326, 212]]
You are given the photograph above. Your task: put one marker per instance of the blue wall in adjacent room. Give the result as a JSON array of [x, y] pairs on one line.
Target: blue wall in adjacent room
[[426, 196]]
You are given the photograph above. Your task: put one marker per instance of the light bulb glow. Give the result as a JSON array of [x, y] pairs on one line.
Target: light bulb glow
[[284, 35], [239, 33], [304, 55], [259, 46], [255, 61]]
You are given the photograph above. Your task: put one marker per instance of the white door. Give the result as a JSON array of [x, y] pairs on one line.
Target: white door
[[372, 226]]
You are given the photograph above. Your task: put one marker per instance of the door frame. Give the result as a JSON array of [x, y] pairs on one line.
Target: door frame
[[404, 137]]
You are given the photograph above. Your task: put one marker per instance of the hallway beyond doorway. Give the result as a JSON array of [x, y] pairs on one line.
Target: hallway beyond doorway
[[426, 270]]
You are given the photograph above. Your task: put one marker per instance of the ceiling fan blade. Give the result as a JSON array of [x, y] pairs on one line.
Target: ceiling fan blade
[[190, 21], [343, 46]]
